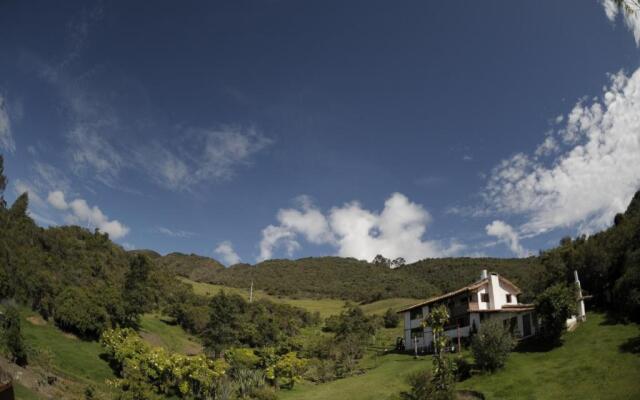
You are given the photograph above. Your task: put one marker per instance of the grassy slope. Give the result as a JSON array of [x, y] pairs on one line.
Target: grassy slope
[[23, 393], [160, 333], [590, 365], [325, 307], [380, 383], [75, 359]]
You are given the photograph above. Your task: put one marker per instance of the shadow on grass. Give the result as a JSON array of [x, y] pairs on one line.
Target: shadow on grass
[[536, 345], [631, 346]]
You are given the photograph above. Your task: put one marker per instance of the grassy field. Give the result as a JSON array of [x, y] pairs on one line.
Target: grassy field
[[326, 307], [597, 361], [159, 332], [384, 381], [71, 357]]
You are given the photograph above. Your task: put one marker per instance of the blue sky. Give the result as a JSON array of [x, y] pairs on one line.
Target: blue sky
[[251, 130]]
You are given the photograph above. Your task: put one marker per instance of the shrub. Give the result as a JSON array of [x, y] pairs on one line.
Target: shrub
[[13, 339], [491, 346], [422, 387], [391, 319], [77, 310], [463, 368], [554, 306]]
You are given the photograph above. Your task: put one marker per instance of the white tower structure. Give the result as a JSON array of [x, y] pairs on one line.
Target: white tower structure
[[582, 314]]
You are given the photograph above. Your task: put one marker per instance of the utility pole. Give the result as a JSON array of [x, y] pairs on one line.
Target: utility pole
[[251, 293]]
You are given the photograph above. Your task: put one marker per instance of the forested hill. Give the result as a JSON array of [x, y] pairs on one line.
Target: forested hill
[[352, 279], [191, 266]]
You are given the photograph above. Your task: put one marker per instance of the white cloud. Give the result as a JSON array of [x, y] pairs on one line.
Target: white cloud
[[201, 156], [277, 236], [630, 14], [174, 233], [6, 136], [81, 213], [92, 153], [592, 177], [56, 199], [506, 234], [229, 256], [397, 231]]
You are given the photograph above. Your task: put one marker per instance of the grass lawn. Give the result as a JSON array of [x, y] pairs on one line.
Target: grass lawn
[[597, 361], [326, 307], [73, 358], [383, 382], [590, 365], [155, 330], [23, 393]]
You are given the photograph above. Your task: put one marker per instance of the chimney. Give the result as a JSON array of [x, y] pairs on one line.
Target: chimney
[[483, 274]]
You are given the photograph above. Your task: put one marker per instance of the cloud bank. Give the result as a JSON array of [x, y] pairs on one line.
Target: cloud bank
[[396, 231], [81, 213], [581, 175]]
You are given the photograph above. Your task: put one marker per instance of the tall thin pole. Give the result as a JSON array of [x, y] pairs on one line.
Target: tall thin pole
[[251, 293]]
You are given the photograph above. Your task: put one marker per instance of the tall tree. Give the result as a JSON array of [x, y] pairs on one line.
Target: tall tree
[[13, 336], [138, 291]]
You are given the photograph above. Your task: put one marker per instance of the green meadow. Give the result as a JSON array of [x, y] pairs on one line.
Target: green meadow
[[326, 307], [598, 360]]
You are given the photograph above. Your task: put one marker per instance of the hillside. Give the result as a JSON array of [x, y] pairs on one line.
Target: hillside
[[351, 279], [190, 266], [597, 361]]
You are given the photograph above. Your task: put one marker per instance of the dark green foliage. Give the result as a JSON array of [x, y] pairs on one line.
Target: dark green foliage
[[391, 319], [492, 345], [80, 311], [553, 307], [627, 289], [138, 289], [192, 266], [235, 322], [12, 335], [223, 329], [607, 263], [421, 386], [73, 275], [189, 310], [3, 182], [443, 367], [351, 279]]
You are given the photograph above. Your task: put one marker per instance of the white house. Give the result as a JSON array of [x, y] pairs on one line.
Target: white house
[[492, 297]]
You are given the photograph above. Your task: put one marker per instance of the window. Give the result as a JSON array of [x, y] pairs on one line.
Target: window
[[473, 298], [463, 321], [508, 298], [485, 297], [417, 333], [416, 313]]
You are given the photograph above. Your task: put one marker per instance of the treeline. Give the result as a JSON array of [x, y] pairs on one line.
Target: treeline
[[361, 281], [80, 279], [608, 264]]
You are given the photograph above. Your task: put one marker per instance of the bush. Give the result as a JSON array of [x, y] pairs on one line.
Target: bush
[[391, 319], [77, 310], [13, 340], [463, 369], [491, 346], [422, 387], [554, 306]]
